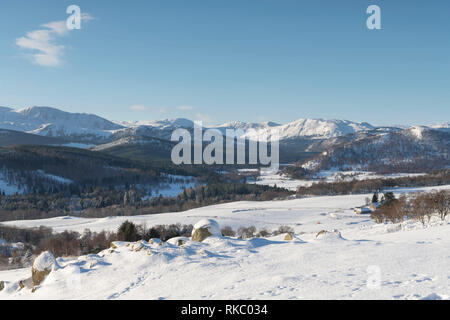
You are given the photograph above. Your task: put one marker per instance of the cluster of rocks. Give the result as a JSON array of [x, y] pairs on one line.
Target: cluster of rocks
[[45, 263]]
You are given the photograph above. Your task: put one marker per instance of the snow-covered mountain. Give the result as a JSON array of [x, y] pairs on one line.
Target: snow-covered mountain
[[46, 121], [304, 135], [161, 129], [442, 126], [161, 124], [236, 125], [52, 122], [416, 148], [315, 128]]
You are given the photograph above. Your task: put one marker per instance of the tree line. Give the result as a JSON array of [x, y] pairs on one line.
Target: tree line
[[418, 206], [371, 185], [99, 202]]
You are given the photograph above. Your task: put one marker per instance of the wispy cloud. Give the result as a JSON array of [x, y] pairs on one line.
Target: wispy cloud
[[43, 42], [138, 107], [186, 108]]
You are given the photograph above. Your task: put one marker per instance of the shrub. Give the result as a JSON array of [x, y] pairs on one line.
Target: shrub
[[283, 229], [263, 233], [246, 233], [128, 232], [227, 231], [165, 232]]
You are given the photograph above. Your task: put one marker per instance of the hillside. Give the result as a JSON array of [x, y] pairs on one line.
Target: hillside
[[42, 169], [46, 121], [334, 143], [417, 149], [406, 260], [11, 137]]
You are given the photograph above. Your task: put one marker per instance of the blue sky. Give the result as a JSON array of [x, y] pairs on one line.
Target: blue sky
[[220, 61]]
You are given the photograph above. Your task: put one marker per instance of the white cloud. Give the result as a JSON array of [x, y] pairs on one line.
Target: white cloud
[[138, 107], [46, 52], [185, 108]]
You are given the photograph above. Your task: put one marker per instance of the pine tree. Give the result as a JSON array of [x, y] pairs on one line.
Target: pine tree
[[375, 197]]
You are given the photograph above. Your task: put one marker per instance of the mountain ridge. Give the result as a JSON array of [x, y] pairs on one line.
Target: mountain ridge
[[49, 121], [298, 139]]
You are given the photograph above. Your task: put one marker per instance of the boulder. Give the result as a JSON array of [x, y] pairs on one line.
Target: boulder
[[42, 266], [321, 233], [205, 228], [178, 241], [288, 237], [136, 246], [200, 234], [329, 235], [27, 283]]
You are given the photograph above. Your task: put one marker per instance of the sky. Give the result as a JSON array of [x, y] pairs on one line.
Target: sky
[[220, 61]]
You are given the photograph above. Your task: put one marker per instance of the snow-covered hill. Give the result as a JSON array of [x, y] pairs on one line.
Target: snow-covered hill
[[52, 122], [317, 128], [310, 136], [416, 148], [362, 260], [302, 128]]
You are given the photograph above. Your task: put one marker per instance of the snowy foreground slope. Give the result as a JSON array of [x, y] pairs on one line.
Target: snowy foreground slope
[[362, 261]]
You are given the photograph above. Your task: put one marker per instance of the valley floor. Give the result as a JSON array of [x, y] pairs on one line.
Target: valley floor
[[364, 261]]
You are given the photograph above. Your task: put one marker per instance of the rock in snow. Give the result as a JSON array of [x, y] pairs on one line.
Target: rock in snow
[[288, 237], [329, 235], [42, 266], [178, 241], [205, 228]]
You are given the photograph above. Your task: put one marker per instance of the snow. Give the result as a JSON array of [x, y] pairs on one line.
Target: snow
[[314, 128], [229, 268], [9, 189], [304, 215], [55, 178], [283, 181], [211, 225], [45, 262], [355, 259], [48, 121], [176, 122], [78, 145], [177, 240], [174, 188]]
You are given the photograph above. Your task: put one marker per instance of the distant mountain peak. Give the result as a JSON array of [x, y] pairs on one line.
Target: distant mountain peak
[[53, 122]]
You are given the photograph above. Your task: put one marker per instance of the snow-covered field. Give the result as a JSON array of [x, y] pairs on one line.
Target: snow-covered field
[[173, 189], [364, 261], [283, 181]]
